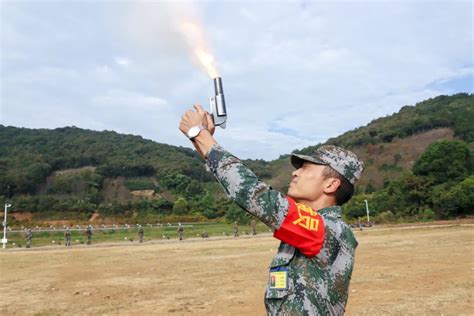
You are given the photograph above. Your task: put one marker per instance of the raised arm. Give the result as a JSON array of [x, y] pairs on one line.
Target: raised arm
[[239, 182], [243, 186]]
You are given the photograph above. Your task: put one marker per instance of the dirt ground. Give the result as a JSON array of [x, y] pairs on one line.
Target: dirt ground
[[399, 271]]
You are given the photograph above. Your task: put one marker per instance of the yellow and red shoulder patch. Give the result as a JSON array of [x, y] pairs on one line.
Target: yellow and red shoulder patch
[[303, 228]]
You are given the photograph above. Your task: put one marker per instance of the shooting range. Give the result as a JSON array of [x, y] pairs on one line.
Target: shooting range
[[180, 158]]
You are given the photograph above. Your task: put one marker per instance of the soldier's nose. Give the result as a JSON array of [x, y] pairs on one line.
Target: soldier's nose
[[295, 173]]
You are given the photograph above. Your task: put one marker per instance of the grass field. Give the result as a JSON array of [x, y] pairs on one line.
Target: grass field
[[399, 271], [43, 238]]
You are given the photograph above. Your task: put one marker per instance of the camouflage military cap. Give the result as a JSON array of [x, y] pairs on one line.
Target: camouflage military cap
[[343, 161]]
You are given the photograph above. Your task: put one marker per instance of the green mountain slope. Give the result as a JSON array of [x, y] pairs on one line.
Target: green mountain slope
[[28, 156]]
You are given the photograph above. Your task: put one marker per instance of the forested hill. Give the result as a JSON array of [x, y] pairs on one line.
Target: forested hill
[[69, 171], [28, 156]]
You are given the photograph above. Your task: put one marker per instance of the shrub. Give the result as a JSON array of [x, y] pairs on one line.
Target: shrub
[[385, 217], [141, 184]]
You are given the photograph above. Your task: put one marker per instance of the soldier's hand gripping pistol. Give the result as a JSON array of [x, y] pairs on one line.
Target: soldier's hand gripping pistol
[[218, 110]]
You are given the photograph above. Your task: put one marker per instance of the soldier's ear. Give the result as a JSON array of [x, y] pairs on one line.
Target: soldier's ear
[[331, 185]]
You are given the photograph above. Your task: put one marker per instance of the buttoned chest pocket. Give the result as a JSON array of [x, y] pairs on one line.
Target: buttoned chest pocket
[[279, 286]]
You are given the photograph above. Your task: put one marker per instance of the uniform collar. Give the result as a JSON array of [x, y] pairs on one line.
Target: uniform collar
[[334, 211]]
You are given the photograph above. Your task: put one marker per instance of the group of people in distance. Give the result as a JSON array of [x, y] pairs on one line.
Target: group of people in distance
[[141, 234]]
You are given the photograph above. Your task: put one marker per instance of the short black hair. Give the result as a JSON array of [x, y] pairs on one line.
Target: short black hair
[[346, 189]]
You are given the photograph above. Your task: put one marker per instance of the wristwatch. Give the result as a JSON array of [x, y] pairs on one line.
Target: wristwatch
[[194, 131]]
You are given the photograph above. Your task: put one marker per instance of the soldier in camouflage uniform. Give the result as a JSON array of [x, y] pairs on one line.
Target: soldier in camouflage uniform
[[311, 272], [89, 234], [253, 225], [141, 233], [29, 237], [236, 229], [180, 231], [67, 237]]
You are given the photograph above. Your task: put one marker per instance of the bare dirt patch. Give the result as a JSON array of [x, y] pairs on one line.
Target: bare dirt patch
[[94, 217], [418, 271], [23, 216]]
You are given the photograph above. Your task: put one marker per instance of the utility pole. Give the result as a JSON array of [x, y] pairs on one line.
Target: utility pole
[[4, 240], [367, 209]]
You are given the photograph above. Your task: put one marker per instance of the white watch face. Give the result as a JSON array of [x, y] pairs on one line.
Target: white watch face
[[194, 131]]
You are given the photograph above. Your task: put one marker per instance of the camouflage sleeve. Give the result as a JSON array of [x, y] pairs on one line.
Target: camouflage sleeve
[[243, 186]]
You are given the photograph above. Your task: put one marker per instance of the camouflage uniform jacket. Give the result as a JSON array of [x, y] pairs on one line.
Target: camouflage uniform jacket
[[316, 285]]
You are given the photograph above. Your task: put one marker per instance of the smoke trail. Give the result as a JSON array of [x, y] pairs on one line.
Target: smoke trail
[[171, 28]]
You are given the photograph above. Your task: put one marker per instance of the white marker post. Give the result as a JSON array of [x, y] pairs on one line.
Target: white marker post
[[367, 209], [4, 240]]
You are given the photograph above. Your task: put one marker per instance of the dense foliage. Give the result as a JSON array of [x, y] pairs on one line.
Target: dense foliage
[[445, 161], [28, 156]]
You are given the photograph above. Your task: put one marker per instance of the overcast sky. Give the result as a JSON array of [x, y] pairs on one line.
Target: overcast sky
[[294, 73]]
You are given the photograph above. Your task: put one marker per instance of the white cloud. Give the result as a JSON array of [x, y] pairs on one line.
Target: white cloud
[[122, 61], [246, 13], [128, 99]]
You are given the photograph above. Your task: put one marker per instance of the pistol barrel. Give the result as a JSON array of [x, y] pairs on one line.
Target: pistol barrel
[[218, 109], [218, 85]]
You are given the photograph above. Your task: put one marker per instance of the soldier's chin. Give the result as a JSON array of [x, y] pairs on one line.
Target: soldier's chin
[[292, 193]]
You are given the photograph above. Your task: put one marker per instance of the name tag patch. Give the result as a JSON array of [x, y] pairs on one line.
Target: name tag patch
[[279, 278]]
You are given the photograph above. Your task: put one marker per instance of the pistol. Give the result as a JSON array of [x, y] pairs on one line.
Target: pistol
[[218, 110]]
